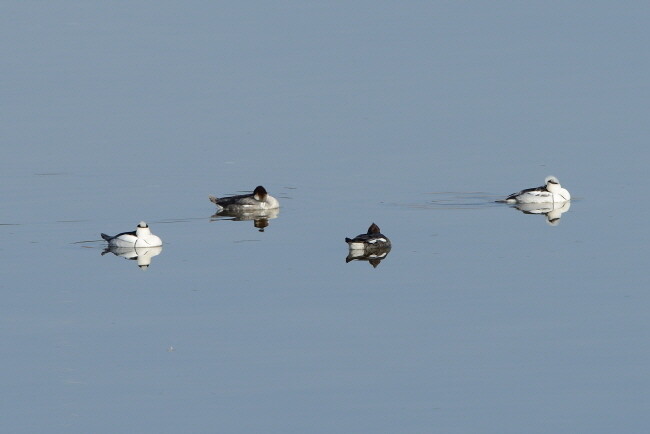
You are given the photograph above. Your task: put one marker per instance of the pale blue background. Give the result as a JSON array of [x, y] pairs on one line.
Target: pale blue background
[[481, 319]]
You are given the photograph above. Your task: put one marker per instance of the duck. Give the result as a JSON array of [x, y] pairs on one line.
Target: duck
[[372, 240], [140, 237], [550, 192], [258, 200]]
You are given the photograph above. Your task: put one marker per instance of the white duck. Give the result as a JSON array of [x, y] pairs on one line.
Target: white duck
[[551, 192], [141, 237]]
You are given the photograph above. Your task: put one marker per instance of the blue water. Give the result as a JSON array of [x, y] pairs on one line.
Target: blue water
[[413, 116]]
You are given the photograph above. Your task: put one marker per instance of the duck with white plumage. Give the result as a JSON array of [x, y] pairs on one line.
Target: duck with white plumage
[[550, 192], [140, 237]]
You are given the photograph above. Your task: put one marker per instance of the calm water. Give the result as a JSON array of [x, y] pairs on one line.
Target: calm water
[[415, 117]]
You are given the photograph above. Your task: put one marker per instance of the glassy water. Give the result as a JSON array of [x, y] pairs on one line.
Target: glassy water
[[482, 318]]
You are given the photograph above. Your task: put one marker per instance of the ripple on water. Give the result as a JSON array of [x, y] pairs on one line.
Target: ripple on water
[[457, 200]]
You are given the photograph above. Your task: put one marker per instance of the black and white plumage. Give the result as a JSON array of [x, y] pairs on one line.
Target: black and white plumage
[[373, 239], [141, 237], [550, 192], [258, 200]]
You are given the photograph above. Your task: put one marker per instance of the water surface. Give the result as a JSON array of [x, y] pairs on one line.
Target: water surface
[[416, 117]]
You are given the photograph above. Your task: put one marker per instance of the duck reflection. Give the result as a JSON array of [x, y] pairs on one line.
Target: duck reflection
[[374, 257], [260, 217], [552, 211], [142, 255]]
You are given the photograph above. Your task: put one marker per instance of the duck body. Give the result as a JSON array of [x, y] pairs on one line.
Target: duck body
[[551, 192], [141, 237], [372, 240], [258, 200]]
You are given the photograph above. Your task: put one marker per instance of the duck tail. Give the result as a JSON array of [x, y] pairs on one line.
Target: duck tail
[[213, 199], [106, 237]]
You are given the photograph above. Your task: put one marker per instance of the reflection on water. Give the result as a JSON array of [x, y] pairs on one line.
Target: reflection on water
[[142, 255], [552, 211], [374, 257], [260, 217], [451, 200]]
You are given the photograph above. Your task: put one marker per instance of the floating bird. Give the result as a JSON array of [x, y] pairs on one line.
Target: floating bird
[[551, 192], [368, 241], [141, 237], [258, 200]]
